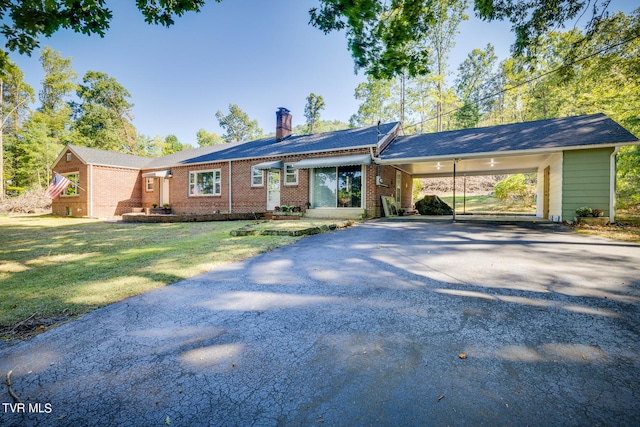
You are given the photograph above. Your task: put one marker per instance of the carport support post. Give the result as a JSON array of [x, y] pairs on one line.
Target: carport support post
[[454, 190]]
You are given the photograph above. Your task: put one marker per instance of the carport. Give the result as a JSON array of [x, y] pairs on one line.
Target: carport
[[574, 158]]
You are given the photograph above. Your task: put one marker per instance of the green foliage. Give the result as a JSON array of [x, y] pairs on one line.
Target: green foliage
[[586, 211], [417, 188], [237, 125], [171, 145], [315, 103], [206, 139], [104, 116], [516, 188]]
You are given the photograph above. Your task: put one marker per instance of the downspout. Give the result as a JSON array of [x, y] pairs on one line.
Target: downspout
[[612, 185], [230, 190], [90, 191]]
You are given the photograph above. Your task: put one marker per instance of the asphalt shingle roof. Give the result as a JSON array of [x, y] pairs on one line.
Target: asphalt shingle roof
[[108, 158], [538, 135], [269, 147], [260, 148]]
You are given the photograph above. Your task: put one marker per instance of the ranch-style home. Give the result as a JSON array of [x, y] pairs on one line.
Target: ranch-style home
[[345, 173]]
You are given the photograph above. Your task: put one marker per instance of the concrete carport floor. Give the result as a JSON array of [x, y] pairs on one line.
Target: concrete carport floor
[[362, 326]]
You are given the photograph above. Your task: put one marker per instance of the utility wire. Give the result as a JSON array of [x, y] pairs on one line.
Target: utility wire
[[584, 58]]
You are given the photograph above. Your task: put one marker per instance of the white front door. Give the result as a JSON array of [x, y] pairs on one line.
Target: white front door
[[273, 189], [164, 191]]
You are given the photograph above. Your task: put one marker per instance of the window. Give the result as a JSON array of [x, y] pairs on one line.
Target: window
[[337, 187], [68, 157], [149, 184], [257, 177], [72, 190], [290, 174], [205, 183]]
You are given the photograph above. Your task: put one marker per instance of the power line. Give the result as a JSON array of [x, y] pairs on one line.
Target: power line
[[584, 58]]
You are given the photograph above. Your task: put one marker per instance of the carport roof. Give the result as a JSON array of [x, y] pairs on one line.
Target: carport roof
[[542, 135]]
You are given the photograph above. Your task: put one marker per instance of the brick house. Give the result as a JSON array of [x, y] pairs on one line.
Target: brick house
[[332, 174], [345, 173]]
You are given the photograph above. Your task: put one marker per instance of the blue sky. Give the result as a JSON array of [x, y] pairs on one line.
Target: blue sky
[[258, 54]]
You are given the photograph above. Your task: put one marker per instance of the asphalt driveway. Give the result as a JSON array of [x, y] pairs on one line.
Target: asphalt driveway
[[363, 326]]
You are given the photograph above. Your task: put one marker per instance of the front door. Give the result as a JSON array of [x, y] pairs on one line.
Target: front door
[[164, 191], [273, 189]]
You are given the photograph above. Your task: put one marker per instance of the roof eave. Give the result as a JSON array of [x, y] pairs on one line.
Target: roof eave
[[497, 154]]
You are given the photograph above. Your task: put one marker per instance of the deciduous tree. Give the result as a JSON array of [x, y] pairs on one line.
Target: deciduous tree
[[315, 103], [237, 125]]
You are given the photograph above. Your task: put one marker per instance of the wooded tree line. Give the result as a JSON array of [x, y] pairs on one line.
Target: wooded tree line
[[569, 74]]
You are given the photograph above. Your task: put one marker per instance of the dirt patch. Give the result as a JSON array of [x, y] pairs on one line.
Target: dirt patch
[[32, 326], [622, 232]]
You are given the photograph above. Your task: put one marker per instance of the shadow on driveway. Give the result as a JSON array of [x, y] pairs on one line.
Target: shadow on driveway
[[357, 327]]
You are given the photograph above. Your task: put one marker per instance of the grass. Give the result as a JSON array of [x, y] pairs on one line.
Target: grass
[[486, 204], [52, 268], [626, 228]]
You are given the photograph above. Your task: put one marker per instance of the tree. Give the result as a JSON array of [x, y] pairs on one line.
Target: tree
[[377, 102], [24, 22], [171, 145], [475, 84], [380, 34], [206, 139], [237, 125], [15, 95], [105, 114], [447, 15], [59, 82], [312, 109]]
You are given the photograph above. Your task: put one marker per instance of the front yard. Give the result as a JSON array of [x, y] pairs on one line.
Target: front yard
[[53, 269]]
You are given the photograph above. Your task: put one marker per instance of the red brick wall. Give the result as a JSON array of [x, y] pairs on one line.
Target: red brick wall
[[254, 199], [180, 200], [115, 190], [75, 205]]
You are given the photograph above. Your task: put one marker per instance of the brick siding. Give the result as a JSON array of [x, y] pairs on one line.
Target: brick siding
[[118, 190]]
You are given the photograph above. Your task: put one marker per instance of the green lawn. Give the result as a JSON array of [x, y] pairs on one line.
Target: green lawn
[[486, 204], [63, 267]]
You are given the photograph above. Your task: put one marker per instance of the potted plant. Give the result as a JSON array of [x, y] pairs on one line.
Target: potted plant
[[591, 216]]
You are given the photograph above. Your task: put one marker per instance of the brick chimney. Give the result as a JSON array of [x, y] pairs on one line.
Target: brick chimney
[[283, 123]]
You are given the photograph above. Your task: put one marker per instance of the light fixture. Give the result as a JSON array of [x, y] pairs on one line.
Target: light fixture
[[438, 166], [492, 163]]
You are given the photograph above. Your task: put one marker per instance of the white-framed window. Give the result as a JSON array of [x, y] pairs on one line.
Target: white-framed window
[[290, 174], [257, 177], [72, 190], [149, 184], [205, 183], [68, 157]]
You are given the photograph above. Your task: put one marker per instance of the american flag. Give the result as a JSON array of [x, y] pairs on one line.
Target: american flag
[[57, 186]]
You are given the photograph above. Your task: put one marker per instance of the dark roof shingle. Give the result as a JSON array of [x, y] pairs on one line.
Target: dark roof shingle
[[538, 135]]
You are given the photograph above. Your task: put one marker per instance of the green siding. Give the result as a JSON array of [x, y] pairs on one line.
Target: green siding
[[585, 180]]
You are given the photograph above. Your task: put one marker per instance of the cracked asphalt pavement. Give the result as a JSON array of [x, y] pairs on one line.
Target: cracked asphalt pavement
[[362, 326]]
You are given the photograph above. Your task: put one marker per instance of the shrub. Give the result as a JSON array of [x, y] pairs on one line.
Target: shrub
[[515, 187], [583, 211], [586, 211]]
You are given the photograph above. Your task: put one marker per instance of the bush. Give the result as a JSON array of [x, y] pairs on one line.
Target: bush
[[514, 188], [586, 211]]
